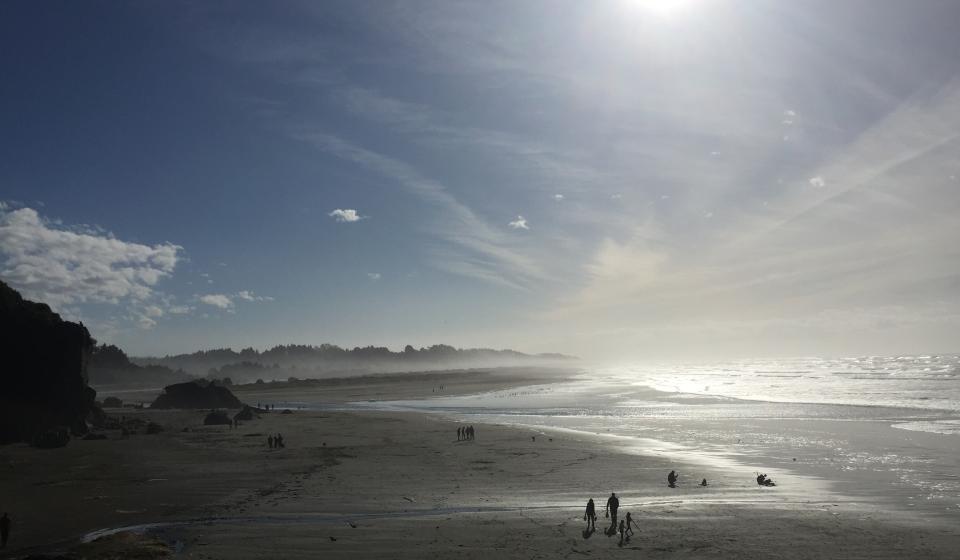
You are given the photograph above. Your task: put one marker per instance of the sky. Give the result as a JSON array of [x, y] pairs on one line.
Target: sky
[[619, 180]]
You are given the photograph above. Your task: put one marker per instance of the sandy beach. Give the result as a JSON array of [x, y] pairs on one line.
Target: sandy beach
[[400, 485]]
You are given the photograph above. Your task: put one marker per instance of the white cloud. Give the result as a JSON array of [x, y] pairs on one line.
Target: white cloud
[[346, 215], [789, 117], [61, 265], [179, 309], [153, 311], [558, 197], [519, 223], [145, 323], [373, 276], [818, 182], [248, 295], [222, 301]]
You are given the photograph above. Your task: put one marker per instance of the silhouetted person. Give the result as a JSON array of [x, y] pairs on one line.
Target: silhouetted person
[[460, 433], [630, 524], [703, 482], [591, 515], [270, 441], [613, 504], [278, 441], [4, 530], [762, 480], [622, 530], [672, 479]]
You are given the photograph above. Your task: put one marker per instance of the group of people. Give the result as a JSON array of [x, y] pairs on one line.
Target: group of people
[[464, 433], [275, 441], [674, 476], [266, 407], [762, 480], [625, 526]]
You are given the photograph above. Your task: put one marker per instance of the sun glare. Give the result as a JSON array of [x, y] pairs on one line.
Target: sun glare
[[665, 8]]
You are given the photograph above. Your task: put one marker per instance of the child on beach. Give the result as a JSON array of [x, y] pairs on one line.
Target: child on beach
[[630, 525]]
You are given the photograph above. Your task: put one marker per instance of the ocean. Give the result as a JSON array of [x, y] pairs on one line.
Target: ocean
[[884, 431]]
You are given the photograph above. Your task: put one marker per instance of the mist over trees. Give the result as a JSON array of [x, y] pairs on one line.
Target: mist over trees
[[327, 360]]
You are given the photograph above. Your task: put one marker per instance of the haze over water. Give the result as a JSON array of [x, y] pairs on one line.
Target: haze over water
[[853, 423]]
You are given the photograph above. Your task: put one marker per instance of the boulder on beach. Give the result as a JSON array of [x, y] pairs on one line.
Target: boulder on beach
[[245, 414], [217, 418], [196, 394], [43, 381], [112, 402]]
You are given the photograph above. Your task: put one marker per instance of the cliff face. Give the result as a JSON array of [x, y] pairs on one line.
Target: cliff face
[[43, 372]]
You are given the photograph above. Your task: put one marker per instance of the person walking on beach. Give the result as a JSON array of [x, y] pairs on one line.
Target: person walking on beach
[[630, 524], [591, 516], [672, 479], [270, 442], [613, 504], [622, 530], [4, 530]]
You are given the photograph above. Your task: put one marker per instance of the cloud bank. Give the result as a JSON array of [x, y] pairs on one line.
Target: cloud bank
[[61, 265]]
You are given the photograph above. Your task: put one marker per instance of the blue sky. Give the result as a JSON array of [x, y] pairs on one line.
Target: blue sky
[[628, 179]]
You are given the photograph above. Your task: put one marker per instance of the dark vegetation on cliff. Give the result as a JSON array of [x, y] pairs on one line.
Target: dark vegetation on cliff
[[43, 382], [109, 365]]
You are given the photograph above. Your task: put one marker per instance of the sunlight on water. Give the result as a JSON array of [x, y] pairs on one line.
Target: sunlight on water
[[822, 419]]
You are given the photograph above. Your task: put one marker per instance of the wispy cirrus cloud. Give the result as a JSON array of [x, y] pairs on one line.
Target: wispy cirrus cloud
[[452, 220], [519, 223]]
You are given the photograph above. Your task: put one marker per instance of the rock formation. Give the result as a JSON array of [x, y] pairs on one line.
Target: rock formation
[[196, 394], [217, 418], [43, 381]]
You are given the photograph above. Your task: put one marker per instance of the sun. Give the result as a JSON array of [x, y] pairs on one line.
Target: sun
[[665, 8]]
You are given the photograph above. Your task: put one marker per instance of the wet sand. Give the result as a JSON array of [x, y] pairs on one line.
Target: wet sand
[[400, 485]]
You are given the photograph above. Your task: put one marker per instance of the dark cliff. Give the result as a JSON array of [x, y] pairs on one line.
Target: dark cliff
[[43, 377]]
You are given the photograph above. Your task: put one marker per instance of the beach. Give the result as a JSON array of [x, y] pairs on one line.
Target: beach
[[395, 483]]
